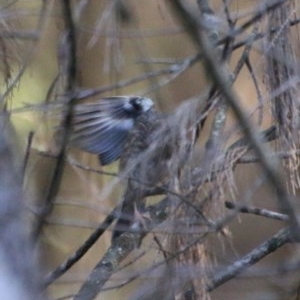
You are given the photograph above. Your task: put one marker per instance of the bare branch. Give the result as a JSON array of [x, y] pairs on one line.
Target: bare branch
[[281, 238]]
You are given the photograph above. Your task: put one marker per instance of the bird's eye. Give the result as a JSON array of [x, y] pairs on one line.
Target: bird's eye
[[136, 104]]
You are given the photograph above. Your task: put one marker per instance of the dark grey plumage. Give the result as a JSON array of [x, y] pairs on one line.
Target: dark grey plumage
[[102, 127], [144, 162]]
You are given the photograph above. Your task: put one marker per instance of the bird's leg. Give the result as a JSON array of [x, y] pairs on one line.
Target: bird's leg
[[141, 218]]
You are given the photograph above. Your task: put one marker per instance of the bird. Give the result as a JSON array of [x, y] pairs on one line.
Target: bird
[[152, 147], [125, 127]]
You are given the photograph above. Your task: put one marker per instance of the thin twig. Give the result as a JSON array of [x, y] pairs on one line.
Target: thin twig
[[29, 55], [81, 251], [70, 89], [173, 69], [27, 152], [256, 211], [250, 159]]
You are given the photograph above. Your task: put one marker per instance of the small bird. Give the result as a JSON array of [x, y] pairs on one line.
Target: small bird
[[124, 127]]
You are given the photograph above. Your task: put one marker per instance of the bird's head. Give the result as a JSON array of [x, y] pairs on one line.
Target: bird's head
[[135, 106]]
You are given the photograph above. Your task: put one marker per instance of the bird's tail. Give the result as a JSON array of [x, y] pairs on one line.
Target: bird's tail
[[124, 220]]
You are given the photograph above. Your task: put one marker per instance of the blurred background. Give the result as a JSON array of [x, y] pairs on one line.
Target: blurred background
[[129, 48]]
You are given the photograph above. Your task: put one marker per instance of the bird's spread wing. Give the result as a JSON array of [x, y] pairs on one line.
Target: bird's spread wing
[[102, 127]]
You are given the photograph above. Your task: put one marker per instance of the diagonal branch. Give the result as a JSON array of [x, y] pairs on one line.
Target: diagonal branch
[[281, 238]]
